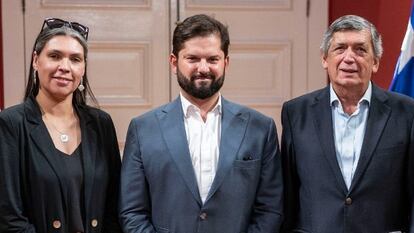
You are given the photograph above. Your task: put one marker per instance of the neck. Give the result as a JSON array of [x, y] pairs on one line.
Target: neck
[[54, 107], [349, 98], [205, 105]]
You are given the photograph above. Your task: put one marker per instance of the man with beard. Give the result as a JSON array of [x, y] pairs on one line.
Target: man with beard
[[201, 163]]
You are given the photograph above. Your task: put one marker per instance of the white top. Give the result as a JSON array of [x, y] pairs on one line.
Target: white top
[[349, 131], [203, 141]]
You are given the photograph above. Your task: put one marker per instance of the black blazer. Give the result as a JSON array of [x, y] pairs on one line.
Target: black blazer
[[31, 180], [380, 198]]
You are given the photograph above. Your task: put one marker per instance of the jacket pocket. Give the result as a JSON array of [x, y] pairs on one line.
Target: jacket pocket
[[393, 150], [161, 229], [300, 231], [247, 164]]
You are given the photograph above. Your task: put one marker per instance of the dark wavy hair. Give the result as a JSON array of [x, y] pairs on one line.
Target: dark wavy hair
[[199, 25], [32, 88]]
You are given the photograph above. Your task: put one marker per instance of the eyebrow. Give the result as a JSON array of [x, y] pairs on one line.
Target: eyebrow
[[60, 52], [357, 42]]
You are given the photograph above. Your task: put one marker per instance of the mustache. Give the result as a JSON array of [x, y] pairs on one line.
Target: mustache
[[203, 76]]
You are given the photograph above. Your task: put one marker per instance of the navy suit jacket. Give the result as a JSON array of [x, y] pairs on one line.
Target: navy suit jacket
[[159, 192], [381, 193]]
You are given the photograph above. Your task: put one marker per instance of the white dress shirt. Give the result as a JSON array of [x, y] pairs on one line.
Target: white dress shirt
[[204, 141], [349, 131]]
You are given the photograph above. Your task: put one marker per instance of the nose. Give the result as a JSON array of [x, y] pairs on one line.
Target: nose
[[349, 56], [64, 65], [203, 66]]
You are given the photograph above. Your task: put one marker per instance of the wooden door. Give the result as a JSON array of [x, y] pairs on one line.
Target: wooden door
[[274, 52], [128, 47]]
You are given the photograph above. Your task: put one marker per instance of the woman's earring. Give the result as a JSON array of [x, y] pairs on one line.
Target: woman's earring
[[81, 87], [34, 77]]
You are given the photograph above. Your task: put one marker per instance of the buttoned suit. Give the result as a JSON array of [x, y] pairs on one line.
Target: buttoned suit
[[33, 181], [159, 191], [381, 193]]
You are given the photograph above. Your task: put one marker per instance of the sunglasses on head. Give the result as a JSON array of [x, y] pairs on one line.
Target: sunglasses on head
[[58, 23]]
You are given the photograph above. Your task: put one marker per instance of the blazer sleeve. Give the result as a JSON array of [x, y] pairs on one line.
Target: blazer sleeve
[[268, 207], [135, 207], [290, 178], [111, 222], [410, 178], [12, 213]]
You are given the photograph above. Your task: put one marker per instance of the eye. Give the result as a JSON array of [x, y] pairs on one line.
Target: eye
[[213, 60], [192, 59], [54, 56], [339, 49], [361, 50], [76, 59]]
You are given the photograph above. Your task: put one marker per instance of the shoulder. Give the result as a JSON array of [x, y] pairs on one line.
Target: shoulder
[[13, 114], [152, 114], [308, 99], [394, 97], [13, 111], [395, 101], [12, 120]]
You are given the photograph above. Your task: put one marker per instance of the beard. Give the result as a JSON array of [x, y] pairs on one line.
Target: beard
[[205, 89]]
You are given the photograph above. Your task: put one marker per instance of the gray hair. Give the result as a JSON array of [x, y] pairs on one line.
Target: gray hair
[[352, 23], [48, 34]]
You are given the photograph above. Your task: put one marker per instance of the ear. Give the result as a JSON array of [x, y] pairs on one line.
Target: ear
[[226, 62], [173, 63], [324, 62], [375, 67], [35, 61]]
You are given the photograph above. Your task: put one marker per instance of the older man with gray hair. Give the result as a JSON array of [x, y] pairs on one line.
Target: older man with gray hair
[[347, 149]]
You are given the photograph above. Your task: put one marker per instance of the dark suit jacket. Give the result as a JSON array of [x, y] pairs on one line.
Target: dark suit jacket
[[32, 179], [381, 193], [159, 192]]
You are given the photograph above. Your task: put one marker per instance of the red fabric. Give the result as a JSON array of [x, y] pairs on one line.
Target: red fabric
[[390, 18]]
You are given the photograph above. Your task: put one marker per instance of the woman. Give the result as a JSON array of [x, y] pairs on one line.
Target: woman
[[59, 157]]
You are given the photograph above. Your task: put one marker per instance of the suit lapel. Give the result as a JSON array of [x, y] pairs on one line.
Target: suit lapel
[[377, 119], [89, 144], [42, 140], [171, 119], [322, 116], [233, 125]]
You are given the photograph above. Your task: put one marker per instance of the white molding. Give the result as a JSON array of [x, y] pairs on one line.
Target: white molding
[[143, 4], [239, 5], [13, 52], [318, 22]]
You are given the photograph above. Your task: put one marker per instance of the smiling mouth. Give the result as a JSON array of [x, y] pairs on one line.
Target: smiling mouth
[[349, 70], [62, 79]]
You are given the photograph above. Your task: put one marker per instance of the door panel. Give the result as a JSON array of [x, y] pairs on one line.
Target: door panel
[[128, 47], [274, 53], [268, 51]]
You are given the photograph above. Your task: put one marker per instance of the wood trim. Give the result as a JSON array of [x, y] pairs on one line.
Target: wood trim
[[1, 62]]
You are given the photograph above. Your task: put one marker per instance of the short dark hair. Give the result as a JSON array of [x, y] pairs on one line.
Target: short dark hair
[[199, 25]]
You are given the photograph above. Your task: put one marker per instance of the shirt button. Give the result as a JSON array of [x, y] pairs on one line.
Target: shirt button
[[57, 224], [94, 223], [203, 216], [348, 201]]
